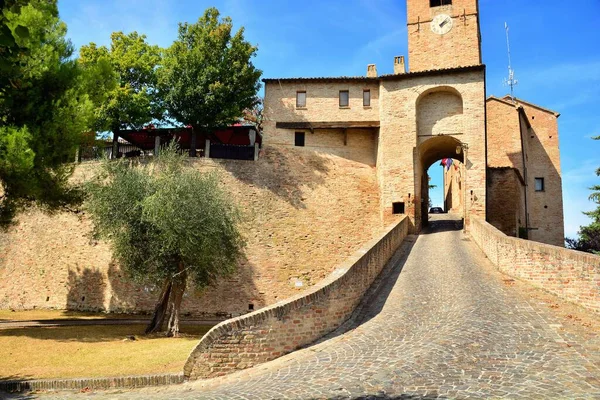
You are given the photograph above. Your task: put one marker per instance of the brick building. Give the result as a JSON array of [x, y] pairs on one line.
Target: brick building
[[404, 122]]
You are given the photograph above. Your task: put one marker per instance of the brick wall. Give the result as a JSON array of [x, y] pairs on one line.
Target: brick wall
[[303, 214], [453, 194], [525, 137], [569, 274], [459, 47], [543, 161], [271, 332], [505, 203], [504, 135], [399, 162]]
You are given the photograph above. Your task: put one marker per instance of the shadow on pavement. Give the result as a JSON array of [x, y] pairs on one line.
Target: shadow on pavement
[[442, 223], [374, 299]]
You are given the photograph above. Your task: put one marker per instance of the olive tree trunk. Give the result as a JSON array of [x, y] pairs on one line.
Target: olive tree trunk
[[169, 304]]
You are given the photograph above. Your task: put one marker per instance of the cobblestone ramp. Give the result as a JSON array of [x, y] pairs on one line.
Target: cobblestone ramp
[[441, 326]]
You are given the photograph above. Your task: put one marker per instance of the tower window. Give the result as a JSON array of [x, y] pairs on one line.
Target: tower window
[[437, 3], [344, 98], [299, 139], [539, 184]]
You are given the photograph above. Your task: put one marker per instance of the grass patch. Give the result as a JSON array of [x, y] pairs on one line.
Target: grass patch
[[33, 315], [92, 351]]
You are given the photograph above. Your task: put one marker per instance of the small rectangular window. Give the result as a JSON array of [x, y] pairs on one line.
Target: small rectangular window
[[398, 208], [366, 98], [299, 139], [301, 99], [344, 98], [539, 184], [437, 3]]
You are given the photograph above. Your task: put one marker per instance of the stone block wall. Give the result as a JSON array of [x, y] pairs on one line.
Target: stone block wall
[[569, 274], [273, 331]]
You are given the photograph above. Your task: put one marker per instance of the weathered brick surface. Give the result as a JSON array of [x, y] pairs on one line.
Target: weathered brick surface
[[504, 135], [422, 119], [458, 48], [525, 137], [304, 213], [570, 274], [403, 156], [543, 153], [453, 193], [505, 203], [273, 331], [322, 105]]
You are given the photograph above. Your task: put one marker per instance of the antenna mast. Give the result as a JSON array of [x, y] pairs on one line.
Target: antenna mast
[[511, 81]]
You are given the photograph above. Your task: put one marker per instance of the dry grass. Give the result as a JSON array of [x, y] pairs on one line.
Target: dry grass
[[33, 315], [92, 351]]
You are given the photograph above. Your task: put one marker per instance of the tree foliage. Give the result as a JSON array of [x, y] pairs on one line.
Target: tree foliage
[[208, 79], [122, 81], [255, 114], [166, 222], [43, 108], [589, 236]]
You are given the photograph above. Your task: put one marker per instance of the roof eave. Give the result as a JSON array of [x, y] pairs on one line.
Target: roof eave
[[407, 75]]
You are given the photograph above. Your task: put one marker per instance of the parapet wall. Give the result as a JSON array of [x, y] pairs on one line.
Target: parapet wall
[[283, 327], [570, 274]]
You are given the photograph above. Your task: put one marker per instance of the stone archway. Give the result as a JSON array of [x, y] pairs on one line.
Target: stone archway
[[429, 152], [440, 125]]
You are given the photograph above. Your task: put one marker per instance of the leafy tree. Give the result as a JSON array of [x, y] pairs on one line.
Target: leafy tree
[[122, 82], [168, 223], [207, 78], [255, 114], [589, 236], [43, 108]]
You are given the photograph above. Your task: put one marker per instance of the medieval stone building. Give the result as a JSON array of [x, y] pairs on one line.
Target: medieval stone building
[[506, 150]]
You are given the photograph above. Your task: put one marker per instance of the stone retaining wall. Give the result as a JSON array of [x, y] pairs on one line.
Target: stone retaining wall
[[283, 327], [570, 274], [85, 384]]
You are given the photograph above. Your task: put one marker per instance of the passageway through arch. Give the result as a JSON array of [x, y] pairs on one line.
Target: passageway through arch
[[432, 152]]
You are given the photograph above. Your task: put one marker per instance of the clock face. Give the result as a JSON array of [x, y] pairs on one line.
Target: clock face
[[441, 24]]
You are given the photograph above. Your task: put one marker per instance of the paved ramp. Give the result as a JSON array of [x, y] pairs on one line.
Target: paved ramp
[[441, 325]]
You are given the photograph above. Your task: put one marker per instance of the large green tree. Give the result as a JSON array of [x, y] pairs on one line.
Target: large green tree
[[589, 236], [44, 109], [207, 78], [122, 82], [169, 223]]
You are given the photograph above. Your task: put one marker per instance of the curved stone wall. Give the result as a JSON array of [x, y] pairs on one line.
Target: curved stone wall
[[283, 327]]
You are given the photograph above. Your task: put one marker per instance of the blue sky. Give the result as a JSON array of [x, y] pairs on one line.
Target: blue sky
[[554, 43]]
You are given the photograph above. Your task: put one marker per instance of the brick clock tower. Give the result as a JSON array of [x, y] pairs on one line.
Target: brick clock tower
[[443, 34]]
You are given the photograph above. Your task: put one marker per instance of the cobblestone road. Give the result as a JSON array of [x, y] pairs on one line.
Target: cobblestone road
[[442, 325]]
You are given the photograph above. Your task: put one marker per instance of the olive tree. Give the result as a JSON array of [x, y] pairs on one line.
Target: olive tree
[[166, 222]]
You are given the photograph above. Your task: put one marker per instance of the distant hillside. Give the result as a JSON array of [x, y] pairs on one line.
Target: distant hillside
[[304, 213]]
